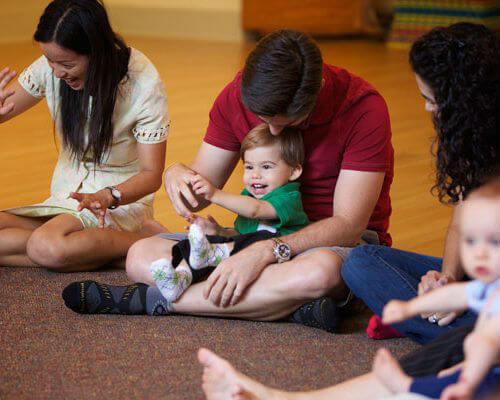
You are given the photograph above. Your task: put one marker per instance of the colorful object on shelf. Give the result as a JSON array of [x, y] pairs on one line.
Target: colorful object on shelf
[[414, 18]]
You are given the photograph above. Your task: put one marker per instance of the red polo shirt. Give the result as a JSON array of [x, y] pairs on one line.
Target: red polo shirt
[[349, 128]]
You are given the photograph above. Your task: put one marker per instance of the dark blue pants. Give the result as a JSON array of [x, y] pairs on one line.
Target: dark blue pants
[[432, 386], [377, 274]]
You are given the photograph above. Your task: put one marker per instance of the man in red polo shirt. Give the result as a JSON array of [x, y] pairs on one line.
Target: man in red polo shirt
[[344, 185]]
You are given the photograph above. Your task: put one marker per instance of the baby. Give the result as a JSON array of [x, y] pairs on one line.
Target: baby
[[270, 205], [480, 256]]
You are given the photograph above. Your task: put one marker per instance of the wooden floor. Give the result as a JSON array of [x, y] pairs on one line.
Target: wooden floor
[[194, 72]]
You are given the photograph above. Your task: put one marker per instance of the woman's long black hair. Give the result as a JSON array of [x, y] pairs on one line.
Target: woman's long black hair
[[83, 27], [461, 64]]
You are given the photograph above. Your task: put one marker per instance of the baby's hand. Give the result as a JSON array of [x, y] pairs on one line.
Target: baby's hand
[[457, 391], [202, 187], [395, 311]]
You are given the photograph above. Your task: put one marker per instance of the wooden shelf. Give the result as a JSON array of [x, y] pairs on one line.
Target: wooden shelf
[[316, 17]]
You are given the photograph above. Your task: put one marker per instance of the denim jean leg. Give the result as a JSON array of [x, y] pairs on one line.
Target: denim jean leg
[[377, 274]]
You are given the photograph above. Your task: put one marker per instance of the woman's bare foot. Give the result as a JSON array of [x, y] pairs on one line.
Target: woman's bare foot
[[152, 227], [222, 382], [387, 370]]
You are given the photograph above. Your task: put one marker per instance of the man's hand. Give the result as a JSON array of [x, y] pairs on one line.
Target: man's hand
[[430, 281], [203, 187], [6, 76], [227, 283], [97, 203], [177, 182], [395, 311]]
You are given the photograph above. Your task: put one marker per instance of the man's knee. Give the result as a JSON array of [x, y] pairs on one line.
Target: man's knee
[[321, 273], [142, 253], [135, 259]]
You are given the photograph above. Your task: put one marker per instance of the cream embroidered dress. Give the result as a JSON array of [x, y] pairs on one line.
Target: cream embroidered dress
[[140, 115]]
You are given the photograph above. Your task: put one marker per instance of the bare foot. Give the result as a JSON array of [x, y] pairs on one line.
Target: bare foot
[[222, 382], [387, 370], [152, 227]]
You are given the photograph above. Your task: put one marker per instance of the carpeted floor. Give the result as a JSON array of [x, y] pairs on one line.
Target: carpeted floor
[[49, 352]]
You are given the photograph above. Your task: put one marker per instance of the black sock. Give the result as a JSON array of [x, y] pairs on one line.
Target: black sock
[[90, 297]]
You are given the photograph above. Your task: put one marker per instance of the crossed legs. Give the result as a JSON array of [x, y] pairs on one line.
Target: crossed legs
[[276, 293], [60, 243]]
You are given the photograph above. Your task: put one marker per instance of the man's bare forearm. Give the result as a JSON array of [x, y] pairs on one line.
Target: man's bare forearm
[[333, 231]]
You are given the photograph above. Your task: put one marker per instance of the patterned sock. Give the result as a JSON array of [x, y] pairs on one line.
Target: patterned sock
[[172, 283], [90, 297], [202, 253]]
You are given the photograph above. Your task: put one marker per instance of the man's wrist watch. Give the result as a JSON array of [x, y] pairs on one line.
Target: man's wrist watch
[[281, 250], [116, 195]]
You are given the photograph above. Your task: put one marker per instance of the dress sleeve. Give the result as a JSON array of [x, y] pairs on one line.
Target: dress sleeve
[[34, 78], [153, 120]]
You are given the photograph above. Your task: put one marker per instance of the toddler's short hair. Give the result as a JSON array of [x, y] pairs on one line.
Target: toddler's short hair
[[290, 142]]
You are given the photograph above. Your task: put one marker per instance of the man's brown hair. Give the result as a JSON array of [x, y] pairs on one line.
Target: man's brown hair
[[282, 75]]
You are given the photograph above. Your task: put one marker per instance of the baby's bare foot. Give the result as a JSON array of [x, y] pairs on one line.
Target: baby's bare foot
[[386, 368], [222, 382]]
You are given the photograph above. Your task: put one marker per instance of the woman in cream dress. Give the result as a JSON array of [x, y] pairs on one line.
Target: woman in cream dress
[[109, 107]]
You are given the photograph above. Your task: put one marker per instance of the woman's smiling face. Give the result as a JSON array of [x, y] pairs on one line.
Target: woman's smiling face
[[66, 64]]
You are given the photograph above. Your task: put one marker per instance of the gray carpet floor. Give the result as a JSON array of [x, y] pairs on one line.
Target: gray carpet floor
[[49, 352]]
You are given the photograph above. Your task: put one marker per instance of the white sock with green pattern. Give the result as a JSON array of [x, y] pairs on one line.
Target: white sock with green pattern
[[171, 283], [202, 253]]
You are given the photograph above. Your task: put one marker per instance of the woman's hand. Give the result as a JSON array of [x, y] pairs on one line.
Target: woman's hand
[[6, 76], [203, 187], [430, 281], [177, 182], [97, 203]]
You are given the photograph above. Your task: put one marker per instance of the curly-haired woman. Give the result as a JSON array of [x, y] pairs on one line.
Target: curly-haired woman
[[457, 70]]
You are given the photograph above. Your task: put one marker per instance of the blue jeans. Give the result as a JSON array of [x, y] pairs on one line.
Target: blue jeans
[[377, 274]]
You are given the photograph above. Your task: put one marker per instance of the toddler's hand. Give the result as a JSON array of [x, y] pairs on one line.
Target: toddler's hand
[[202, 187]]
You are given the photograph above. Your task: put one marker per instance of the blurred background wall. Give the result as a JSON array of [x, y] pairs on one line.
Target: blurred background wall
[[189, 19], [210, 19]]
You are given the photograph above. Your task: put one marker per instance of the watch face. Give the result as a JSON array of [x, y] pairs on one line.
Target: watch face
[[284, 251], [116, 194]]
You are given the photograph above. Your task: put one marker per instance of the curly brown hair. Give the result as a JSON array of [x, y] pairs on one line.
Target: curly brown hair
[[461, 65]]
